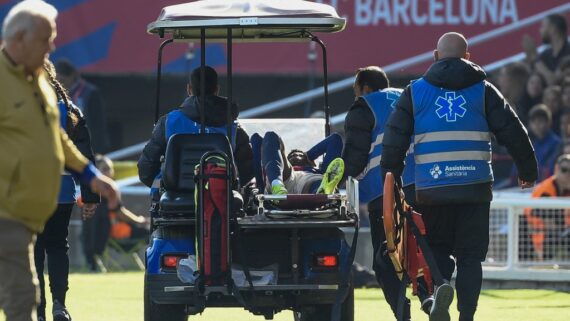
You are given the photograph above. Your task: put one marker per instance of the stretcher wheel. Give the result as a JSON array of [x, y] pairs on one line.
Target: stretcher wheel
[[391, 217]]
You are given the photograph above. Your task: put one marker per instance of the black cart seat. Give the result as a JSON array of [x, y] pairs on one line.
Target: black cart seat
[[183, 154]]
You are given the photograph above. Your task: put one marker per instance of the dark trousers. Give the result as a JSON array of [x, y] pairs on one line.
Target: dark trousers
[[95, 234], [461, 231], [53, 242], [382, 265]]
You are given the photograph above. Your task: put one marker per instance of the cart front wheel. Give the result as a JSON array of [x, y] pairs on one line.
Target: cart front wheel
[[162, 312]]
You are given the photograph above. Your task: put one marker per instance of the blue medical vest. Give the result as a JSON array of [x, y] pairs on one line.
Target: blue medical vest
[[178, 123], [370, 184], [67, 189], [452, 138]]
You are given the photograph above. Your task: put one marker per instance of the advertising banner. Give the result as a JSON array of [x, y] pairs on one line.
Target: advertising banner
[[109, 36]]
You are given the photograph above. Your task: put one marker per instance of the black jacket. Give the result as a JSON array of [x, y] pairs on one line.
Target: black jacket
[[358, 127], [79, 135], [215, 116], [456, 74]]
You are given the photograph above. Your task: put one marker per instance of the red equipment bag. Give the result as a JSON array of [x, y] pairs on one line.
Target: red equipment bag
[[214, 223], [416, 263]]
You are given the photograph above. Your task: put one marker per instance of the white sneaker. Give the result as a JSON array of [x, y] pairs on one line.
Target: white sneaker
[[443, 296]]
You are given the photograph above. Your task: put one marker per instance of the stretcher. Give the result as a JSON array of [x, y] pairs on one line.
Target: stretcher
[[403, 250]]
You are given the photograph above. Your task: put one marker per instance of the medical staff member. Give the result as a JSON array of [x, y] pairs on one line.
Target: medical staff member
[[452, 112], [364, 130]]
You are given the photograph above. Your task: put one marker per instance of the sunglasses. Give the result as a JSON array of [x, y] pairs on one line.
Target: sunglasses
[[564, 170]]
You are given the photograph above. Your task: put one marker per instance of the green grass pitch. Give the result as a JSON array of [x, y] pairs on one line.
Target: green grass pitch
[[118, 297]]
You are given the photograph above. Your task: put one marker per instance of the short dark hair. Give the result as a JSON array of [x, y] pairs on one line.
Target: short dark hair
[[211, 81], [559, 23], [540, 111], [64, 67], [372, 76]]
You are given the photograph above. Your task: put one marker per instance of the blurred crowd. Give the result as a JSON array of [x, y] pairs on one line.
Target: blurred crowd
[[538, 88]]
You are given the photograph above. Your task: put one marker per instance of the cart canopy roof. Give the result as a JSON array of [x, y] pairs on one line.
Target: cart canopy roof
[[249, 20]]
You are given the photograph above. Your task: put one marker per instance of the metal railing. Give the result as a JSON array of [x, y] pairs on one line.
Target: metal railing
[[529, 239], [530, 232], [511, 255], [127, 151]]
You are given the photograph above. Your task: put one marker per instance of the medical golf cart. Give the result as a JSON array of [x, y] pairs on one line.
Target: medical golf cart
[[215, 243]]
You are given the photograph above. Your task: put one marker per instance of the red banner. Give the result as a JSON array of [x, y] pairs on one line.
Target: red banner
[[110, 35], [382, 32]]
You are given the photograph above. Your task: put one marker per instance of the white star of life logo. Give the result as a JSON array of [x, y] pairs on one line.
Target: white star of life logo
[[393, 98], [450, 106]]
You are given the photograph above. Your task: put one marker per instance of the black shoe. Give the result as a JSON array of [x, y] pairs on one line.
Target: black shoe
[[60, 313], [443, 296]]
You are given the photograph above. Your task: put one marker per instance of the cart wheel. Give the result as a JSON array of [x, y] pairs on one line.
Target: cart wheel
[[162, 312], [323, 312]]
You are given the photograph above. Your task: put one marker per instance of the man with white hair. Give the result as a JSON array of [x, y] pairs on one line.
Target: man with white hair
[[35, 151]]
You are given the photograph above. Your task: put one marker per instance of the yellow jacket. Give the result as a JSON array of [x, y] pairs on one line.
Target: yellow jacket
[[33, 147]]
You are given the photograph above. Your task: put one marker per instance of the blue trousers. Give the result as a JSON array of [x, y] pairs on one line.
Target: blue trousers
[[330, 148], [269, 158]]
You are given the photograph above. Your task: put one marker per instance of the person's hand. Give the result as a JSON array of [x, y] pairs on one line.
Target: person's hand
[[108, 189], [88, 210], [525, 184], [146, 224], [529, 47]]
